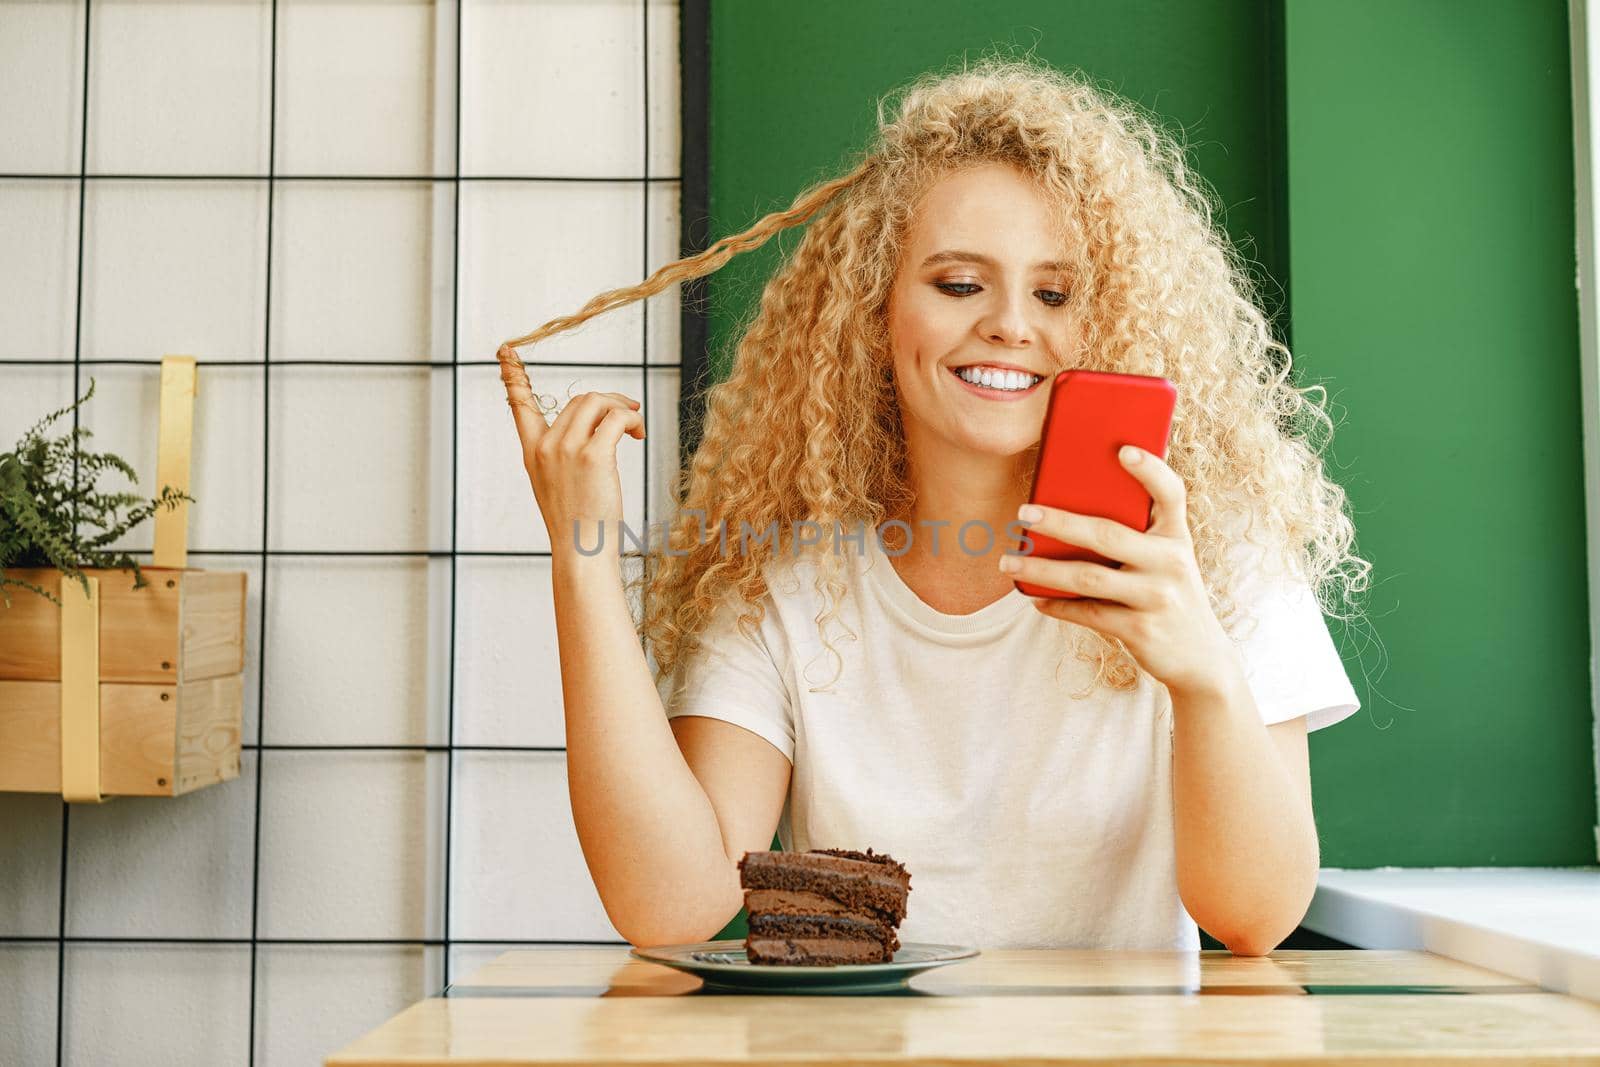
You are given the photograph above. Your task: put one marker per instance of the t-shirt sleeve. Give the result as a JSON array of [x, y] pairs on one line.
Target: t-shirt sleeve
[[1290, 661], [737, 679]]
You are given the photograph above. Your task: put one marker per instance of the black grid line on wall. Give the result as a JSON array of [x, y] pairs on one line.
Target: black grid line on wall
[[693, 49]]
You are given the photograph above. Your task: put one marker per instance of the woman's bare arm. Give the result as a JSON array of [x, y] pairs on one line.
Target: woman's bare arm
[[663, 812], [661, 827]]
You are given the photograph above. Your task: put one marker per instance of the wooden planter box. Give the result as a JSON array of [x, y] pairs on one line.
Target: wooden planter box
[[127, 692], [171, 681]]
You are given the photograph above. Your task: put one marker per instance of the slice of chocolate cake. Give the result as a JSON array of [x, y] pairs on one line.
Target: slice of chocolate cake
[[821, 907]]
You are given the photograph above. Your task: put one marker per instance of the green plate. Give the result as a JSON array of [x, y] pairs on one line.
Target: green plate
[[722, 965]]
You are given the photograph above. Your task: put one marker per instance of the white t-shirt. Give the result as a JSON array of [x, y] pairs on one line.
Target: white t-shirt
[[1027, 818]]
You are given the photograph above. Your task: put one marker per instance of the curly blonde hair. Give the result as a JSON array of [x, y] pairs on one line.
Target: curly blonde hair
[[807, 426]]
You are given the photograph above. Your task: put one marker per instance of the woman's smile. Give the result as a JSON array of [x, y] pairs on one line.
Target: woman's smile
[[1001, 387]]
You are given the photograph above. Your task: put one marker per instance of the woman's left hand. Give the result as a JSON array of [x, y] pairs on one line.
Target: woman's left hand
[[1155, 603]]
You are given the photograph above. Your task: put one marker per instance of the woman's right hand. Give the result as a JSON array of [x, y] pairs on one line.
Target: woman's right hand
[[572, 462]]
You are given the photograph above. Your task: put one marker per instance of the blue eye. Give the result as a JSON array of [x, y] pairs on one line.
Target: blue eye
[[950, 288]]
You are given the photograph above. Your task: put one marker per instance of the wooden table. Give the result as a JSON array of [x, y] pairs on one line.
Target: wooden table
[[1012, 1006]]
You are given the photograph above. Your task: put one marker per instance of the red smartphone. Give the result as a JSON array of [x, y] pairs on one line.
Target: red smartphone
[[1090, 415]]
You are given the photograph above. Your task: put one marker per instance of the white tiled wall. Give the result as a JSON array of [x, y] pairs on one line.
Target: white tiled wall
[[316, 881]]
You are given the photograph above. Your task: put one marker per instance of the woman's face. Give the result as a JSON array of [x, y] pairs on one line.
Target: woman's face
[[976, 291]]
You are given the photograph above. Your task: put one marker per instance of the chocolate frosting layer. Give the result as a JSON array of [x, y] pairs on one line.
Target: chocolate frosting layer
[[791, 902], [814, 952], [883, 859]]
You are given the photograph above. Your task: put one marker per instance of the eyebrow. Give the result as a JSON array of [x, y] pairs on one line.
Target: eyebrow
[[957, 256]]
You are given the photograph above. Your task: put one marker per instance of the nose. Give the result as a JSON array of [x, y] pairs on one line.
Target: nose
[[1006, 323]]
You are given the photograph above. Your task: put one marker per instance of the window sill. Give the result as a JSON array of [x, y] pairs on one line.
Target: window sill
[[1541, 924]]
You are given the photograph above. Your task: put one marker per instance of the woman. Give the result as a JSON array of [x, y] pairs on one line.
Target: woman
[[1016, 220]]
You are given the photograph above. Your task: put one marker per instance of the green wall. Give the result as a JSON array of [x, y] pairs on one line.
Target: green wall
[[1432, 235], [1426, 183], [793, 88]]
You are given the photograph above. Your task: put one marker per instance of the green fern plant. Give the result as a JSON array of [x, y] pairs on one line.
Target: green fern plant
[[41, 507]]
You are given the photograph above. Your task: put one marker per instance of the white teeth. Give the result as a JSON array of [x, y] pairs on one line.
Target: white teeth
[[1006, 380]]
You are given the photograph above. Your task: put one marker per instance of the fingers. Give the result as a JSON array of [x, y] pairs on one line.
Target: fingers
[[1083, 577], [616, 422], [1101, 615], [1107, 537], [578, 420], [531, 424], [579, 417], [1168, 493]]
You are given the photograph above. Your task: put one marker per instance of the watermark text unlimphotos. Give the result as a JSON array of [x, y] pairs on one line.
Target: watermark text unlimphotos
[[974, 537]]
